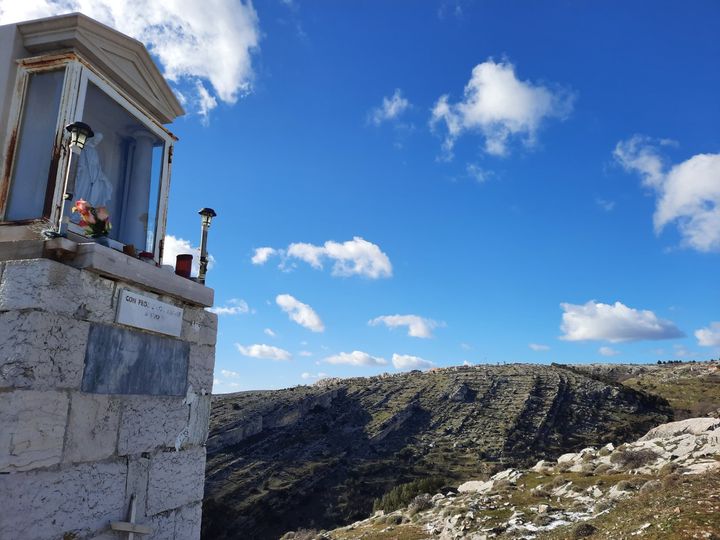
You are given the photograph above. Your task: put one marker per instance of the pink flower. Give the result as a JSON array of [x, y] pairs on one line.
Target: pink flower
[[81, 206], [89, 217], [102, 213]]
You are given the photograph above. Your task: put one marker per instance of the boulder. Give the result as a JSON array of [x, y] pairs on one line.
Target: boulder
[[694, 426]]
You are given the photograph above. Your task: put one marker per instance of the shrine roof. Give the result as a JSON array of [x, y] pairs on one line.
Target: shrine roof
[[120, 58]]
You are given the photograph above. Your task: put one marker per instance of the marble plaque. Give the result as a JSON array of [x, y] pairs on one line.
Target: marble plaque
[[124, 361], [149, 314]]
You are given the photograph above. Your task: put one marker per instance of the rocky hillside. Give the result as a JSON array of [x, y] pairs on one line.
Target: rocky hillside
[[691, 388], [317, 457], [664, 485]]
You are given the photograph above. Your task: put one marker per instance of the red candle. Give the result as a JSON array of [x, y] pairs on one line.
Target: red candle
[[183, 265]]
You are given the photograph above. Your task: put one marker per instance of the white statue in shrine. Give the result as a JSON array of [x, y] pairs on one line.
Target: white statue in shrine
[[91, 183]]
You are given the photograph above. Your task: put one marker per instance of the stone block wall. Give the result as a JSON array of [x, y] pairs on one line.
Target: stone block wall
[[71, 460]]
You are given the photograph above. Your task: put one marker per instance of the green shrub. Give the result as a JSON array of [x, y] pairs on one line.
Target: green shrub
[[583, 530], [668, 468], [633, 459], [671, 480], [651, 486], [420, 503], [402, 495], [624, 485], [559, 481], [602, 505], [602, 468], [540, 492]]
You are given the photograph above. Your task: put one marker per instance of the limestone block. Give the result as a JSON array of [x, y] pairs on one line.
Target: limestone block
[[137, 481], [92, 431], [568, 458], [176, 479], [163, 526], [199, 326], [81, 499], [199, 420], [150, 422], [41, 350], [105, 534], [187, 522], [476, 486], [200, 370], [58, 288], [694, 426], [33, 428]]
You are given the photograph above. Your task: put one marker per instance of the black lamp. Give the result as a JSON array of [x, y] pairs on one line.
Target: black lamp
[[80, 132], [206, 216]]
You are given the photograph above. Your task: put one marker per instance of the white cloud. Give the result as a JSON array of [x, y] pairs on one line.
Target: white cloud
[[265, 352], [234, 306], [606, 205], [262, 255], [353, 257], [608, 351], [683, 352], [301, 313], [614, 323], [537, 347], [688, 194], [356, 358], [194, 41], [709, 336], [467, 363], [406, 361], [499, 106], [477, 173], [419, 327], [319, 375], [305, 353], [206, 102], [390, 109], [269, 332], [229, 374], [173, 246]]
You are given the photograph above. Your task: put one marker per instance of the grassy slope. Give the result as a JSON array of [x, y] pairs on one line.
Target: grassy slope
[[689, 397], [690, 509], [692, 389]]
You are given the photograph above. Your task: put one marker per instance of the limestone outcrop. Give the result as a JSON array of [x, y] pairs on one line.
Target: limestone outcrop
[[596, 490]]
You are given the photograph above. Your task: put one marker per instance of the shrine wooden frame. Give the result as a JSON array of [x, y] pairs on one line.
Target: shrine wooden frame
[[78, 73]]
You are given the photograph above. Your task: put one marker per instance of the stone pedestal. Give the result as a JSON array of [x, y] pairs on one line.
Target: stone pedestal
[[71, 459]]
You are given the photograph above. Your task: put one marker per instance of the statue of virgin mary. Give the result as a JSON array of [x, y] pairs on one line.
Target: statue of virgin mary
[[91, 183]]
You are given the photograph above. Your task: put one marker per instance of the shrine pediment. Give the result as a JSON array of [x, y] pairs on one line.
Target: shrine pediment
[[123, 60]]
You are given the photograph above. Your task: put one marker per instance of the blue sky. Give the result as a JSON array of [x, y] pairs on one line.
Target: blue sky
[[560, 203]]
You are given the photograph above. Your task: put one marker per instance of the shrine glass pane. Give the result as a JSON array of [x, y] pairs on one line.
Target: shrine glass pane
[[37, 133], [120, 168]]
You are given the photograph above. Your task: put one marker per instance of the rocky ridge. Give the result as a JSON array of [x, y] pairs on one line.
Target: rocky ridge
[[572, 497], [318, 456]]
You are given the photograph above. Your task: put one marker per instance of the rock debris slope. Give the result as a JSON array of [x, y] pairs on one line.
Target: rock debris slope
[[317, 457], [664, 485]]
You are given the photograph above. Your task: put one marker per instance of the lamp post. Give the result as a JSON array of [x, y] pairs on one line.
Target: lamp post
[[80, 132], [206, 216]]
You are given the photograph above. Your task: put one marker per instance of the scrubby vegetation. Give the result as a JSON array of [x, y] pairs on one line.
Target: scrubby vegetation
[[402, 495], [633, 459]]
